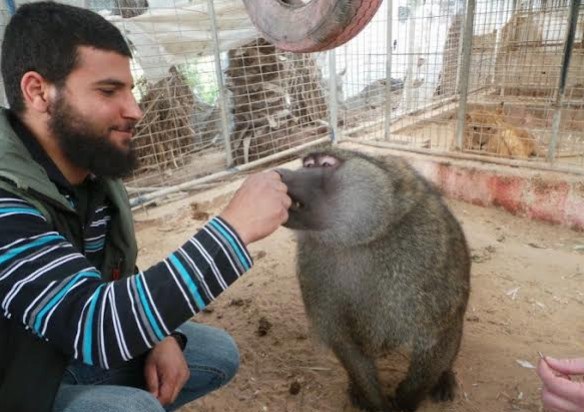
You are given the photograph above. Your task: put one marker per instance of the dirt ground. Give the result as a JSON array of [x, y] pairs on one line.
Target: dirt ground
[[527, 296]]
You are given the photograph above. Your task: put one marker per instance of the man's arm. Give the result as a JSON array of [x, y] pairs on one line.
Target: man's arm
[[53, 290]]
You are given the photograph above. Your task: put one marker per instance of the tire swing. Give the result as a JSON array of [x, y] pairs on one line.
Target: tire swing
[[303, 26]]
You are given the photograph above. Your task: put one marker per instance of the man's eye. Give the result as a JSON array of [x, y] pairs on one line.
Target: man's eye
[[107, 92]]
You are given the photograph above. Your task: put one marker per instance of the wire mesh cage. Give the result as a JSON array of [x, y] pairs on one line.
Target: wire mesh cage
[[518, 95], [526, 72], [497, 78]]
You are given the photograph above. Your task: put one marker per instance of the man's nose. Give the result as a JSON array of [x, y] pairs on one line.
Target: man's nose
[[131, 109]]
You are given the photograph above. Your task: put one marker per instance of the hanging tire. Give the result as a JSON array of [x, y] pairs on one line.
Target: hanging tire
[[318, 25]]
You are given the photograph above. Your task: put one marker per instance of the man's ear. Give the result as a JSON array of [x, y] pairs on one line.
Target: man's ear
[[36, 91]]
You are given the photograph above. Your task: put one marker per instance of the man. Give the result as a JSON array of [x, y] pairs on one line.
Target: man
[[81, 329]]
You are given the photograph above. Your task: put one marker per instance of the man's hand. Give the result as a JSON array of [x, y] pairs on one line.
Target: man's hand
[[560, 393], [166, 371], [259, 207]]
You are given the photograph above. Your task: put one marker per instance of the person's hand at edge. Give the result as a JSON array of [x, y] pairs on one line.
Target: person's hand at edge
[[560, 393]]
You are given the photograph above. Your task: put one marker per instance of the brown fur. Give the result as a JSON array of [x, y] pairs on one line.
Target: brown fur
[[479, 127], [512, 142], [487, 131]]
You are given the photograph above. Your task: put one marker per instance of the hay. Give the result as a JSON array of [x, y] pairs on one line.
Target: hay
[[307, 96], [450, 54], [130, 8], [169, 131], [277, 100]]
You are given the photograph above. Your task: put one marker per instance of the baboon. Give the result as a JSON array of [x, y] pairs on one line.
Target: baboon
[[382, 263]]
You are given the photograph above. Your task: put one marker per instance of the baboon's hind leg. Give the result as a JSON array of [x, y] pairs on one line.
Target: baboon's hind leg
[[364, 389], [430, 372], [445, 389]]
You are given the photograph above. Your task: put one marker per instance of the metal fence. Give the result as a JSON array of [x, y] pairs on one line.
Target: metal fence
[[499, 79]]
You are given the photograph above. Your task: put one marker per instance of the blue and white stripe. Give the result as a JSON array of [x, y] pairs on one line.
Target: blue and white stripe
[[49, 286]]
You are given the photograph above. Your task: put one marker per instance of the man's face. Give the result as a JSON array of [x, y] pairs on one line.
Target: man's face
[[93, 115]]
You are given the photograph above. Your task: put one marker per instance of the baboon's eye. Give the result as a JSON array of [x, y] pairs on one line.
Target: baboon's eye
[[328, 161], [309, 162]]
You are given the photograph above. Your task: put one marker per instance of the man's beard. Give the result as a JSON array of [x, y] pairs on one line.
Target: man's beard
[[87, 148]]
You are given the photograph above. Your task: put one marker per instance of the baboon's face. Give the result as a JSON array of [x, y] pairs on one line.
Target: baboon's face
[[312, 190], [340, 196]]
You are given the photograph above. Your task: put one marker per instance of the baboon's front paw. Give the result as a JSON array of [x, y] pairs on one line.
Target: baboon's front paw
[[406, 401], [360, 401], [404, 406], [445, 389], [397, 406]]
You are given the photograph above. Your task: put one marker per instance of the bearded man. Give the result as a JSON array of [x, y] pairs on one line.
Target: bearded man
[[81, 328]]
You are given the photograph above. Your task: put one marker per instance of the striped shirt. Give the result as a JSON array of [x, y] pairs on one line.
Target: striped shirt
[[55, 290]]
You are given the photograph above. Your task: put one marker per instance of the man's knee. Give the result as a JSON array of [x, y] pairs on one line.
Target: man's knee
[[211, 347], [140, 401], [84, 398], [230, 360]]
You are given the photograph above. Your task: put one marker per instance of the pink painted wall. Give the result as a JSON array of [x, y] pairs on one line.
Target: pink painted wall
[[547, 196]]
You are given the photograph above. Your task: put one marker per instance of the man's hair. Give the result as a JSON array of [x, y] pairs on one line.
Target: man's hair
[[44, 37]]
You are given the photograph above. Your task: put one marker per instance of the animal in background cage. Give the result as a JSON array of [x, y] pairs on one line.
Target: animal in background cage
[[487, 131], [511, 141]]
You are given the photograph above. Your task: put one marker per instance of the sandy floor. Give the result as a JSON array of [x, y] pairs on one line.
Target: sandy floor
[[527, 296]]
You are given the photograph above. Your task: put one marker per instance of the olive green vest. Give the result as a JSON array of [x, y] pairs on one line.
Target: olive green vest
[[30, 368]]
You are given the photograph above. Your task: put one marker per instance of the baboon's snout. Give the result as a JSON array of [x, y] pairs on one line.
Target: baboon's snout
[[292, 180]]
